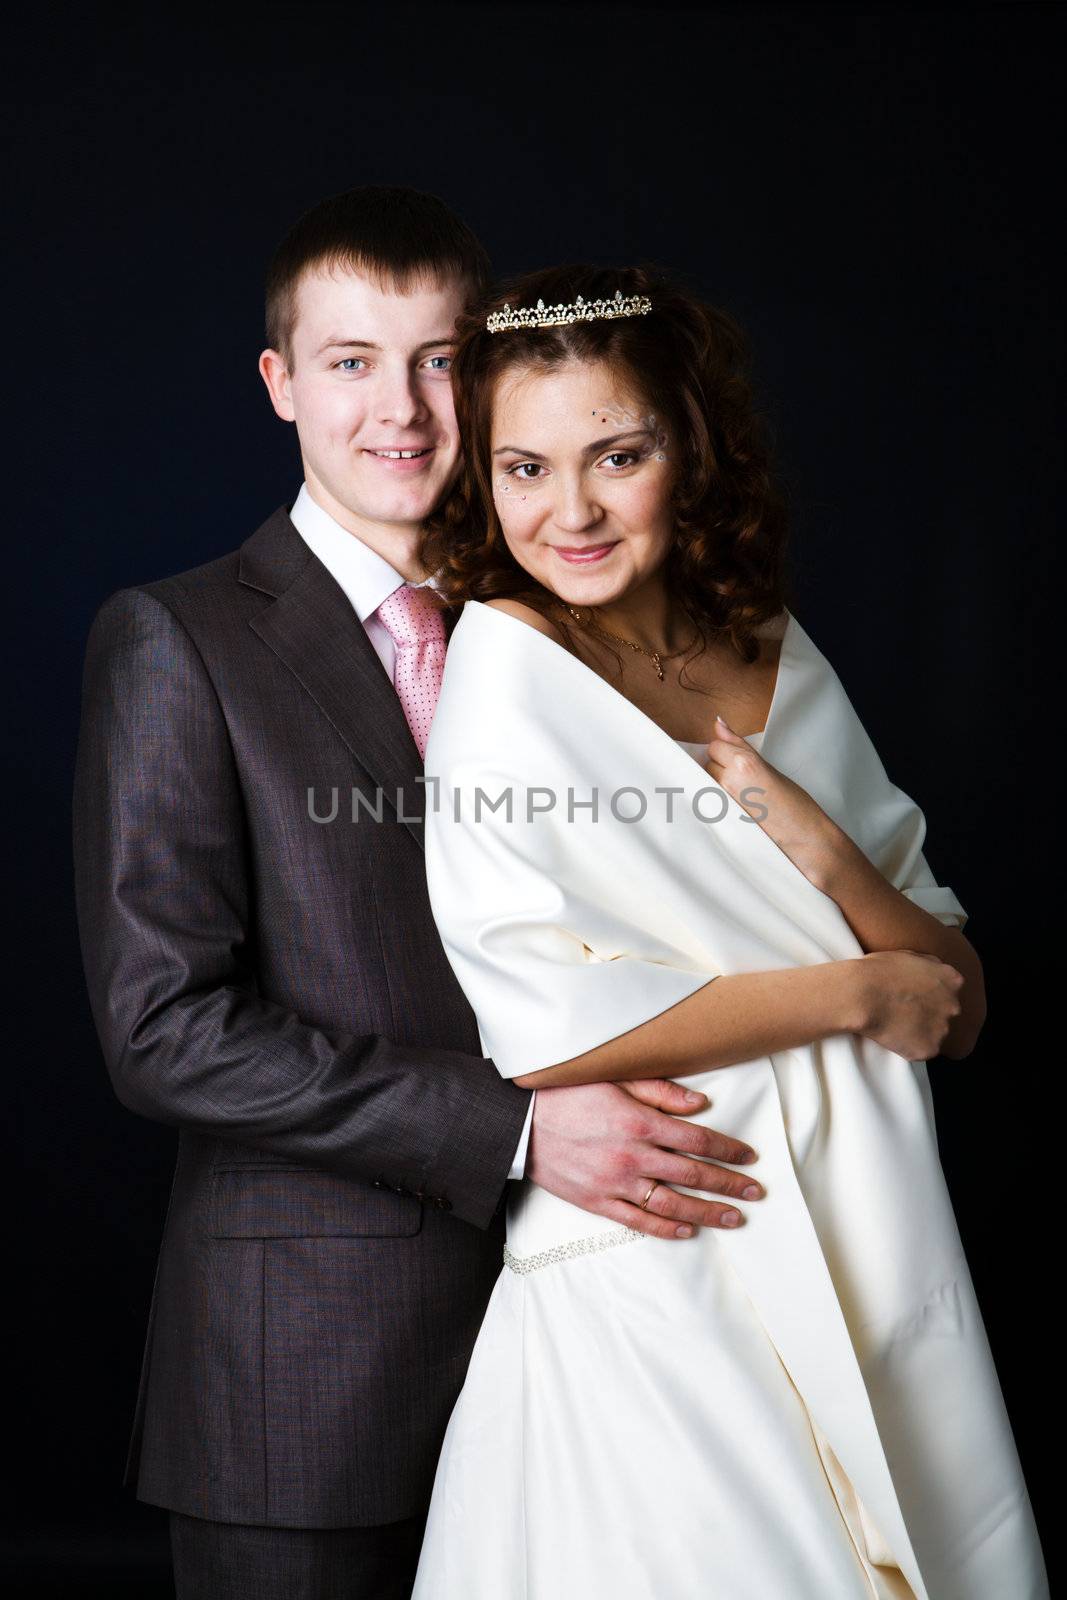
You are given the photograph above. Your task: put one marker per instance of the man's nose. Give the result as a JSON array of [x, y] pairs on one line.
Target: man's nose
[[399, 399]]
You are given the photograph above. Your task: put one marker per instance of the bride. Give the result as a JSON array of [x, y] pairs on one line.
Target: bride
[[659, 839]]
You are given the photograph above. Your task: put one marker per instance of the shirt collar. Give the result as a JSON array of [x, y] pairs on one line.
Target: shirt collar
[[365, 576]]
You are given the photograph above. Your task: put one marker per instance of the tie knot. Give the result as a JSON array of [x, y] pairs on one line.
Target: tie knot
[[412, 616]]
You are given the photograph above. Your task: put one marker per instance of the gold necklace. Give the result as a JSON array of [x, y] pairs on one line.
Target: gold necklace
[[657, 657]]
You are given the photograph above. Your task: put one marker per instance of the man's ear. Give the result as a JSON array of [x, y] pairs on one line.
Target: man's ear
[[275, 374]]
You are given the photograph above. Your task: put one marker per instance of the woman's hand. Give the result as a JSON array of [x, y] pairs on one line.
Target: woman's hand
[[907, 1000], [787, 813]]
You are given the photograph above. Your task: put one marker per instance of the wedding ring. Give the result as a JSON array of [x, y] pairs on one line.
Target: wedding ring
[[648, 1196]]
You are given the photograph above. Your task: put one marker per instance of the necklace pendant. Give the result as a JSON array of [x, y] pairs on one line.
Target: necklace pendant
[[657, 663]]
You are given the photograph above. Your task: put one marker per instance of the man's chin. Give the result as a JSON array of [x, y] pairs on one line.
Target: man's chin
[[411, 504], [400, 507], [402, 511]]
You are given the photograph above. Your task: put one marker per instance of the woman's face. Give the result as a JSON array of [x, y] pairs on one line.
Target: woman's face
[[581, 481]]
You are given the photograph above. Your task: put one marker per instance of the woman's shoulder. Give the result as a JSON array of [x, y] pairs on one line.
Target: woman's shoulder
[[774, 629], [523, 613]]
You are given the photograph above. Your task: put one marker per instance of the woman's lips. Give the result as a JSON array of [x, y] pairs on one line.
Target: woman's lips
[[581, 558]]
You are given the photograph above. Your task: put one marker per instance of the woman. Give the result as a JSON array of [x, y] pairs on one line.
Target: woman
[[662, 835]]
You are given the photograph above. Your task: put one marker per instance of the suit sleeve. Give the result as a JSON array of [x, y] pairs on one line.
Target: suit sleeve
[[162, 873]]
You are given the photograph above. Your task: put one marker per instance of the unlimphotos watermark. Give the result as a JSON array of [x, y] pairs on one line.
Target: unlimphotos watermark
[[627, 804]]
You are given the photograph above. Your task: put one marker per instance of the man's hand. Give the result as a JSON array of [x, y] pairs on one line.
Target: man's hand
[[601, 1146]]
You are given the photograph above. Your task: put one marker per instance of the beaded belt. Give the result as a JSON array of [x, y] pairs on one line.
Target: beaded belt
[[573, 1247]]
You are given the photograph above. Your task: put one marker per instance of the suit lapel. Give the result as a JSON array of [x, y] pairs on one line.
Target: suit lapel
[[312, 628]]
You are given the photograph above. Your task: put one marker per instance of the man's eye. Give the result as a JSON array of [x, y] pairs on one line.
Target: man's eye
[[440, 363], [351, 363]]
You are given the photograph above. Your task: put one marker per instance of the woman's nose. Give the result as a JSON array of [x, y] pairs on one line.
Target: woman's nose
[[576, 509]]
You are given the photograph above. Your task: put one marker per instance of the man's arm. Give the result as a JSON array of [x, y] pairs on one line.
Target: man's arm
[[162, 861]]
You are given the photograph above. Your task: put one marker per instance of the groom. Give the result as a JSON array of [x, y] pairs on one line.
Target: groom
[[272, 984]]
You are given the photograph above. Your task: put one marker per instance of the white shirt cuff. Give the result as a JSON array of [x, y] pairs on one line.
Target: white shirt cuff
[[518, 1166]]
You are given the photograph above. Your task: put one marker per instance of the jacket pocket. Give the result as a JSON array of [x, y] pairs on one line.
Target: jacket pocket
[[302, 1203]]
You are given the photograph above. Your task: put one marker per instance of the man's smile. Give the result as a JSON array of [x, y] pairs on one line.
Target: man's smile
[[396, 458]]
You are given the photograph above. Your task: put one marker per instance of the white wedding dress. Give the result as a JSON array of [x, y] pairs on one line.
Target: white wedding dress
[[629, 1428]]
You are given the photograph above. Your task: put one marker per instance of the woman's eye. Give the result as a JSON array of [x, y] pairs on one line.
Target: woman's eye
[[621, 458], [522, 468]]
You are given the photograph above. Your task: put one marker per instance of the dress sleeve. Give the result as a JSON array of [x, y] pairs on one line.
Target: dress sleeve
[[887, 824], [548, 972], [924, 890], [896, 838]]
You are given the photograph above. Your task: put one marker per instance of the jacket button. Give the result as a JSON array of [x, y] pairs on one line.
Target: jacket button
[[442, 1203], [379, 1183]]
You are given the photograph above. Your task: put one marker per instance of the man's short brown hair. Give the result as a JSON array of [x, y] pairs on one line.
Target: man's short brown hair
[[398, 237]]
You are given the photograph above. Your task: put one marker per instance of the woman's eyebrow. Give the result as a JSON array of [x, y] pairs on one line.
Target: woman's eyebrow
[[616, 438], [593, 449]]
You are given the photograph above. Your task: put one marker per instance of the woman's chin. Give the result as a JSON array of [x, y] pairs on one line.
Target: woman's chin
[[590, 593], [581, 585]]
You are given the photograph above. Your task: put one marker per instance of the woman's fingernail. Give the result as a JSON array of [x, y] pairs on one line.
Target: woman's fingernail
[[684, 1232], [752, 1192], [730, 1219], [691, 1097]]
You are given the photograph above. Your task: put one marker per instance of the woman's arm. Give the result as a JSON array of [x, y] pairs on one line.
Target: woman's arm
[[902, 999], [883, 918]]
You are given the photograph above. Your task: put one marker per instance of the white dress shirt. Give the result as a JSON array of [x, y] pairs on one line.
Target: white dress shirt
[[368, 579]]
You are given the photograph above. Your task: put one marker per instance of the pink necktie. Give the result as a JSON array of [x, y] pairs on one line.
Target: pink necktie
[[415, 622]]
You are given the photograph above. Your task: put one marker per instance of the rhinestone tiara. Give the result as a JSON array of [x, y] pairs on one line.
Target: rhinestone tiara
[[542, 316]]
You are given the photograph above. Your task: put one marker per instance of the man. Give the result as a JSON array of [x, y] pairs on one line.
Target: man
[[272, 984]]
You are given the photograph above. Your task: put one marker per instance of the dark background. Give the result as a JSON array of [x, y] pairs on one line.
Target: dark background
[[869, 189]]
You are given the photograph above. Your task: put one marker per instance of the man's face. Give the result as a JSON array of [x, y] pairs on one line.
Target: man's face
[[369, 388]]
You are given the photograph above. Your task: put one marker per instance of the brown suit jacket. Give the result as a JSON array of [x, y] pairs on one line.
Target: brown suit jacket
[[275, 988]]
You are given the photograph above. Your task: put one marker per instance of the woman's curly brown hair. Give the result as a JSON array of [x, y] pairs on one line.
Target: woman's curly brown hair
[[688, 361]]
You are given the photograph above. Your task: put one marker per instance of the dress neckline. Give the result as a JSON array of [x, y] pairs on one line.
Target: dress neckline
[[791, 637]]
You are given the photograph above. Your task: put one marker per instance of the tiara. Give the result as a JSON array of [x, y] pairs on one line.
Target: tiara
[[542, 316]]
